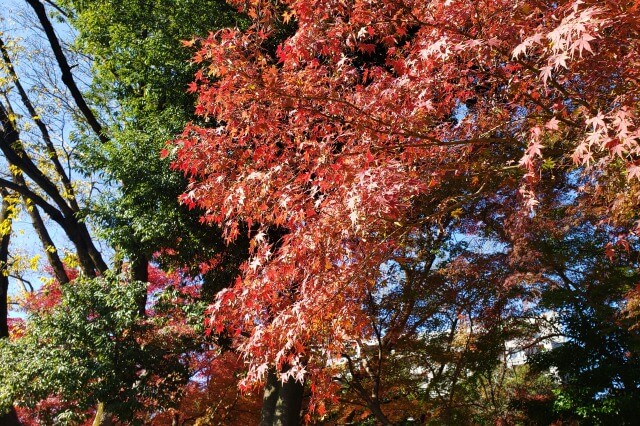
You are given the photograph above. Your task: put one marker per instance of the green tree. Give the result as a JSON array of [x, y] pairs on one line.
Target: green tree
[[599, 364], [93, 347], [139, 100], [141, 74]]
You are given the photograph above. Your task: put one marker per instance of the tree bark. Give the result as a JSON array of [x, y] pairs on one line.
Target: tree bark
[[270, 398], [102, 418], [289, 403], [4, 277], [71, 228], [10, 418], [49, 247], [282, 402], [65, 69], [43, 234]]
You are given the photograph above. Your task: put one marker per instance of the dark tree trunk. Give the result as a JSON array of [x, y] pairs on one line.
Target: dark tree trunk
[[49, 247], [96, 258], [10, 418], [270, 398], [4, 319], [4, 257], [72, 230], [282, 402], [4, 302], [289, 403], [43, 234]]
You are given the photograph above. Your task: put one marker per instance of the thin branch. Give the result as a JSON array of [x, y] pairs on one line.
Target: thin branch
[[58, 8], [38, 200], [23, 281], [46, 137], [67, 75]]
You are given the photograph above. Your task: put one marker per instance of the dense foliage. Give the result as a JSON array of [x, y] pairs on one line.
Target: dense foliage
[[140, 75], [373, 121], [92, 346], [389, 212]]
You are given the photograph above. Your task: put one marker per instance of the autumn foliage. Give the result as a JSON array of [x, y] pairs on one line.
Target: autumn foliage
[[430, 192], [334, 122]]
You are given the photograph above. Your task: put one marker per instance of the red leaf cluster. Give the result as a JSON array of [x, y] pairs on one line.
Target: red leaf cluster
[[366, 109]]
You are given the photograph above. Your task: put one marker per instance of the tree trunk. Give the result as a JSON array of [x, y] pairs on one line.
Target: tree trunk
[[138, 270], [282, 402], [270, 398], [289, 403], [10, 418], [4, 301], [92, 251], [49, 247], [71, 229], [4, 257], [102, 418], [43, 234]]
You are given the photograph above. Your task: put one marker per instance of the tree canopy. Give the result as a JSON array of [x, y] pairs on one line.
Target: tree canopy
[[324, 212]]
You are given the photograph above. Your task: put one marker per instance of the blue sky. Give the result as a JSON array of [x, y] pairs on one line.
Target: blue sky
[[18, 24]]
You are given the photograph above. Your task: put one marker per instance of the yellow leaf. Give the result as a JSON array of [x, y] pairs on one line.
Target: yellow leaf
[[34, 262], [456, 213]]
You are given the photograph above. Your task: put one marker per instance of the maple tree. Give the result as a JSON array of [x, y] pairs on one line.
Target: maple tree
[[342, 129], [415, 182]]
